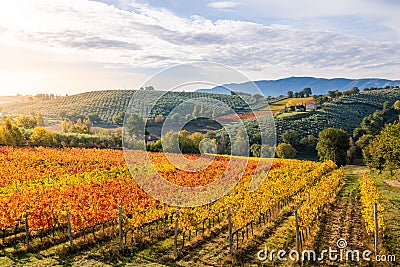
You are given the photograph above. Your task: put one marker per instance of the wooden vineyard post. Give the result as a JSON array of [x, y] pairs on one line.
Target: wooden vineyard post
[[71, 240], [121, 245], [26, 232], [297, 230], [176, 233], [230, 231], [376, 229]]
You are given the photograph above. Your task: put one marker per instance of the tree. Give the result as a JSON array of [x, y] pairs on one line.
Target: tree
[[332, 94], [196, 139], [267, 151], [364, 141], [155, 146], [214, 114], [386, 106], [285, 151], [309, 143], [255, 150], [373, 123], [338, 93], [307, 91], [351, 151], [79, 129], [290, 94], [39, 119], [66, 125], [196, 111], [94, 117], [358, 132], [10, 134], [355, 90], [241, 145], [290, 137], [333, 145], [384, 150], [202, 110], [223, 144], [170, 142], [396, 105], [61, 114], [159, 118], [208, 145], [189, 143], [134, 125], [40, 137], [26, 122]]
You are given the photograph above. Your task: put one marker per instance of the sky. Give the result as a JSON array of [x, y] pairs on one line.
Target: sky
[[67, 47]]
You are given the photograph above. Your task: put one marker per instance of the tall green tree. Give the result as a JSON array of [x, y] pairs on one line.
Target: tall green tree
[[290, 137], [384, 151], [396, 105], [333, 145], [285, 151], [255, 150], [170, 142], [196, 111], [39, 119], [241, 144], [307, 91], [10, 134], [309, 143], [134, 125], [41, 137], [26, 122]]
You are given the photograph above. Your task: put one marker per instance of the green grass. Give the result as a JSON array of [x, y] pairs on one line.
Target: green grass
[[289, 114], [391, 202]]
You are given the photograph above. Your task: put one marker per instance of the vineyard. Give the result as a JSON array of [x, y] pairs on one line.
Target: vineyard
[[51, 196], [44, 185], [107, 104], [345, 113]]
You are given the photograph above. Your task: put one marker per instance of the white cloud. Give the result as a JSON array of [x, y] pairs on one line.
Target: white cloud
[[223, 4], [95, 35], [338, 15]]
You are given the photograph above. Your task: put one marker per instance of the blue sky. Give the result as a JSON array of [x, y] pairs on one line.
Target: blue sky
[[72, 46]]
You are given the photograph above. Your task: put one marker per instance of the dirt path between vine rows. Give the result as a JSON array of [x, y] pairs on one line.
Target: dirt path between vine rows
[[343, 220]]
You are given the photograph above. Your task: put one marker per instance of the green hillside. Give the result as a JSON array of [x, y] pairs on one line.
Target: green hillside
[[107, 104], [345, 113]]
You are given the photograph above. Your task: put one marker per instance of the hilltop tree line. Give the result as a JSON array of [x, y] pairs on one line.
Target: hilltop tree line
[[30, 131], [306, 92]]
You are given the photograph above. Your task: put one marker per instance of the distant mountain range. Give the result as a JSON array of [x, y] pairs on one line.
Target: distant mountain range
[[295, 84]]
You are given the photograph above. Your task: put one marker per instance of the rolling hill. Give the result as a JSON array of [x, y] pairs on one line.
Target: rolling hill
[[345, 112], [319, 86], [108, 103]]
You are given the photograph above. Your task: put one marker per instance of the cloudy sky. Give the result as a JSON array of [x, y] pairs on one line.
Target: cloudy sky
[[70, 46]]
